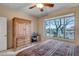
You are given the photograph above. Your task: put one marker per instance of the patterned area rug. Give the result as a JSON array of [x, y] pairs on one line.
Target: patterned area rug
[[51, 48]]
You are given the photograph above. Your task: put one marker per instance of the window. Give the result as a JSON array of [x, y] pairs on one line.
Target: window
[[62, 27]]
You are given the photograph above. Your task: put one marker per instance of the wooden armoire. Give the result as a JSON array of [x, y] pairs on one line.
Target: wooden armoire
[[21, 32]]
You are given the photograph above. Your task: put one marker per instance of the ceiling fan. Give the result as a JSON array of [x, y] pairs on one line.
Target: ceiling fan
[[41, 5]]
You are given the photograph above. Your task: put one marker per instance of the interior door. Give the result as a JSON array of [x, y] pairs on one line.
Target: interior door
[[3, 33]]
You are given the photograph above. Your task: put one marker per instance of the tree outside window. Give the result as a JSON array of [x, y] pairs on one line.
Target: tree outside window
[[60, 27]]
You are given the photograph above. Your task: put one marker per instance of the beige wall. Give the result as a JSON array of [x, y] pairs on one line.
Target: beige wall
[[74, 10], [9, 13]]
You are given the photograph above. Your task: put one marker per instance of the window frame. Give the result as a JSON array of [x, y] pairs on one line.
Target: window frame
[[59, 17]]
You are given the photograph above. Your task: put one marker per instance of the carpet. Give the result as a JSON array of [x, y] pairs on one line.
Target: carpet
[[51, 48]]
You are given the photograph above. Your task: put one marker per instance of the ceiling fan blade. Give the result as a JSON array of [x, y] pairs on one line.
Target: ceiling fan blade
[[49, 4], [41, 10], [32, 6]]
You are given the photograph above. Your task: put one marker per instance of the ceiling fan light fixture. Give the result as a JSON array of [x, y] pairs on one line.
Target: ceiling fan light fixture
[[39, 5]]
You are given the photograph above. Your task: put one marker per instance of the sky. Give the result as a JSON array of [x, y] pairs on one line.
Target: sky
[[68, 26]]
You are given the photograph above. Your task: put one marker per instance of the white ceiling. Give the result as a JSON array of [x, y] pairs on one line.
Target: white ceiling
[[24, 7]]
